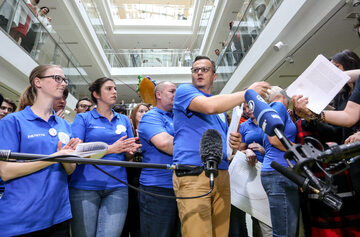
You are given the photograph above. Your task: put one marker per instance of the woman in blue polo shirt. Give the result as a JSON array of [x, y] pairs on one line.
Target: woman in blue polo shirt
[[36, 199], [99, 203], [282, 193]]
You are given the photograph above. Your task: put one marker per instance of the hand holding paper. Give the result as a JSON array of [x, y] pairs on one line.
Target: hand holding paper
[[320, 83]]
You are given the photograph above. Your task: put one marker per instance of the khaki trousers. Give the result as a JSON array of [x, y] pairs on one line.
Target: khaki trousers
[[208, 216]]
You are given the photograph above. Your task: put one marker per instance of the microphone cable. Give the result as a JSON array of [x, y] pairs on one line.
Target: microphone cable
[[129, 185], [155, 194]]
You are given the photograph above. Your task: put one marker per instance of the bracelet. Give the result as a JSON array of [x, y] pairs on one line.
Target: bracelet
[[315, 117], [322, 116]]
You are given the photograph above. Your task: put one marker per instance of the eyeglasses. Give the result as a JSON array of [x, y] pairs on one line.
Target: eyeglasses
[[57, 78], [197, 69], [85, 106]]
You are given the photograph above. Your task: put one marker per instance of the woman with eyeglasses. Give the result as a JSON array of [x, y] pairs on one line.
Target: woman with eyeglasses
[[99, 203], [36, 200]]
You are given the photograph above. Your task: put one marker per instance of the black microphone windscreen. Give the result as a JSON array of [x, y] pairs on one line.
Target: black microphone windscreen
[[211, 145], [298, 179]]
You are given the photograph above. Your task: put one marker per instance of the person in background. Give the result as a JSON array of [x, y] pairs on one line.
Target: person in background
[[7, 107], [36, 200], [60, 104], [282, 193], [121, 109], [42, 32], [137, 113], [187, 57], [252, 146], [132, 223], [132, 105], [83, 105], [22, 23], [217, 52], [98, 202], [158, 216]]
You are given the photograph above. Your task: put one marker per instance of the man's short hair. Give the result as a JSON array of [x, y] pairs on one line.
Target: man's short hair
[[207, 58], [81, 99], [10, 102], [46, 8], [121, 109], [159, 87]]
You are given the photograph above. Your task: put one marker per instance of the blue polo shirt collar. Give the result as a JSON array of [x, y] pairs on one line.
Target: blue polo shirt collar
[[30, 115], [169, 114], [96, 114]]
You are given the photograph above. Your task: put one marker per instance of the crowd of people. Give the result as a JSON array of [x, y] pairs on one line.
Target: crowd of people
[[44, 198]]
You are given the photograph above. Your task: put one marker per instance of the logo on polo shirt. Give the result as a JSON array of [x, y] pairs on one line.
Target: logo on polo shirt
[[63, 137], [36, 135], [120, 129]]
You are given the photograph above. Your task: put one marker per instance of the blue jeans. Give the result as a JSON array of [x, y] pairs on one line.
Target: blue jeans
[[98, 212], [284, 203], [158, 216]]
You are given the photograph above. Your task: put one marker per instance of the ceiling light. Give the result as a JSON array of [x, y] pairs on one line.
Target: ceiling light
[[278, 45]]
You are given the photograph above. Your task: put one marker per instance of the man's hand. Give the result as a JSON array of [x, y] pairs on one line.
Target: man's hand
[[250, 157], [261, 88], [299, 103], [235, 140], [256, 147]]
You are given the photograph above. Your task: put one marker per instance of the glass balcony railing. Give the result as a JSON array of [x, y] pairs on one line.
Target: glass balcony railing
[[95, 19], [204, 22], [33, 32], [154, 57], [252, 19]]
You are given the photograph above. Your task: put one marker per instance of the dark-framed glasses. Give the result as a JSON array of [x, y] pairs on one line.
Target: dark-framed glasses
[[198, 69], [84, 106], [57, 78]]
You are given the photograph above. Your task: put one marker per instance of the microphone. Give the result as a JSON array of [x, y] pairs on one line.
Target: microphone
[[211, 153], [340, 152], [298, 179], [268, 119]]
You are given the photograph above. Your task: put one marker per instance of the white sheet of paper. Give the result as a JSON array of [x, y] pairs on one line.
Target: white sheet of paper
[[320, 82], [94, 150], [233, 127], [247, 192]]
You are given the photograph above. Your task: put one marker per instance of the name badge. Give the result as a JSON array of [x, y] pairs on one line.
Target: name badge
[[52, 132]]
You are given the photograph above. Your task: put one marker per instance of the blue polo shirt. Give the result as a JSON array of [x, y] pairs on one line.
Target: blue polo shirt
[[152, 123], [250, 132], [189, 127], [93, 127], [38, 200], [271, 152]]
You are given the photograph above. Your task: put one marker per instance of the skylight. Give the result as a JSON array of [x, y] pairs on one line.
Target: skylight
[[151, 10]]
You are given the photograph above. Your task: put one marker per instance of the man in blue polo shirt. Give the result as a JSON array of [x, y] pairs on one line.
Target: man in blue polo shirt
[[158, 216], [195, 111]]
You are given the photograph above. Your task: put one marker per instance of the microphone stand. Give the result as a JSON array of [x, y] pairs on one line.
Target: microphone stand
[[6, 155], [297, 152]]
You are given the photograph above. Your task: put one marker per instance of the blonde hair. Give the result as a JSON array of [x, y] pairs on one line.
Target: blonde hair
[[273, 93], [28, 96]]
